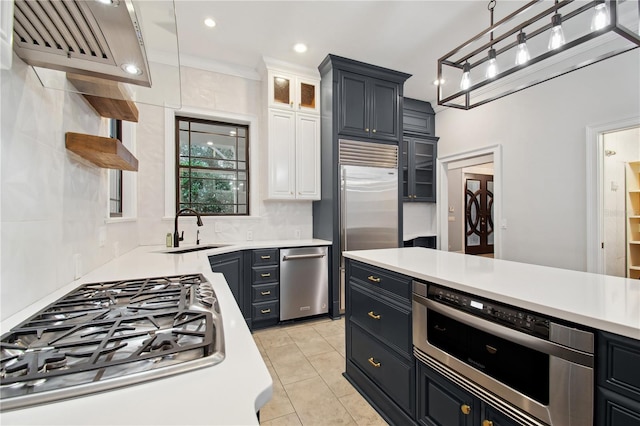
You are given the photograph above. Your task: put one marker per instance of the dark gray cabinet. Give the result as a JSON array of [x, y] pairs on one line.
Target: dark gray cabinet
[[418, 118], [442, 402], [265, 287], [380, 362], [231, 265], [370, 107], [617, 380], [418, 169], [427, 242], [355, 96]]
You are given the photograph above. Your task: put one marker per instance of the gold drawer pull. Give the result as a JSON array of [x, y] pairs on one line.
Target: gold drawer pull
[[265, 293], [375, 364], [465, 409], [265, 311], [265, 257], [268, 274], [487, 423], [373, 279], [374, 316]]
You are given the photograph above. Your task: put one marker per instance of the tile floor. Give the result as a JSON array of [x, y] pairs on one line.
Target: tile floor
[[306, 361]]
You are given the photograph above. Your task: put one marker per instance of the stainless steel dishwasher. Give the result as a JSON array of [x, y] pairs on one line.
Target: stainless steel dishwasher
[[304, 282]]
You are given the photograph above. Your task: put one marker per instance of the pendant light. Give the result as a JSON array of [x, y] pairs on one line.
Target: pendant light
[[556, 39], [492, 65], [601, 17], [465, 83], [522, 51]]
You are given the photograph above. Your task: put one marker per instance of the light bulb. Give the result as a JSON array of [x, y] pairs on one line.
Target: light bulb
[[557, 35], [522, 52], [492, 66], [600, 17], [465, 83]]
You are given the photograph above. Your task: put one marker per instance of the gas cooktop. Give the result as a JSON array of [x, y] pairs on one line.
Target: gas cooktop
[[111, 334]]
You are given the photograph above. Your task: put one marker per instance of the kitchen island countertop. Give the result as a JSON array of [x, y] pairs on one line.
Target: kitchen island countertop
[[599, 301], [228, 393]]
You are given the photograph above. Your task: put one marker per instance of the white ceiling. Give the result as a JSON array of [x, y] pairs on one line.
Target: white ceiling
[[407, 36]]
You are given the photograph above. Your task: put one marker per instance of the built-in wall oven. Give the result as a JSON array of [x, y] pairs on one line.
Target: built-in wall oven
[[536, 369]]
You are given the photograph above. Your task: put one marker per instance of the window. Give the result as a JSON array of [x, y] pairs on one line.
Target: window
[[115, 176], [212, 167]]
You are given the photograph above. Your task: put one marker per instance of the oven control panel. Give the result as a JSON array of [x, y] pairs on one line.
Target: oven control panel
[[493, 311]]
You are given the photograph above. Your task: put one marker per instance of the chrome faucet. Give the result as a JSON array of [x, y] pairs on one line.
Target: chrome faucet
[[179, 237]]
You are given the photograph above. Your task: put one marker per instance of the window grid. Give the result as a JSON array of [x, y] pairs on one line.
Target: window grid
[[115, 176], [212, 167]]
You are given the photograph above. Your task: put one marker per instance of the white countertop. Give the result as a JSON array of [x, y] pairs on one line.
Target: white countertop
[[599, 301], [229, 393]]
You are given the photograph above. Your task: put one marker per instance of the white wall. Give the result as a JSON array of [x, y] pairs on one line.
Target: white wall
[[213, 94], [418, 219], [543, 134], [53, 202]]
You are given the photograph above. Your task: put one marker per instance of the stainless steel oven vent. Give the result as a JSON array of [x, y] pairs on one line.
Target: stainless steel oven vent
[[82, 36]]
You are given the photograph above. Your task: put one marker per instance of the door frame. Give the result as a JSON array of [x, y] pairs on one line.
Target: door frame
[[442, 194], [595, 188]]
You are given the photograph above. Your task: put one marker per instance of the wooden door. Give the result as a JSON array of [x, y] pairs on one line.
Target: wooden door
[[478, 214]]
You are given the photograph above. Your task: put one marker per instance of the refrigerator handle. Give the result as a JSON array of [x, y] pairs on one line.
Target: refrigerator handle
[[343, 213]]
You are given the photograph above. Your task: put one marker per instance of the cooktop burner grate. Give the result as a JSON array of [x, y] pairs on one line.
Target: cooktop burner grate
[[109, 334]]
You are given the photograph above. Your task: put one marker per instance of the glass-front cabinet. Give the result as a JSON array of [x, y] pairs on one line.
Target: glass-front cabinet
[[418, 169], [293, 92]]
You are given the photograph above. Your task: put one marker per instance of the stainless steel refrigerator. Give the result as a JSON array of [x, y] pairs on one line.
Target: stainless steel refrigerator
[[368, 199]]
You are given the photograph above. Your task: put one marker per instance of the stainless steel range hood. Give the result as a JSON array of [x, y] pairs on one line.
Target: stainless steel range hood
[[103, 39], [83, 37]]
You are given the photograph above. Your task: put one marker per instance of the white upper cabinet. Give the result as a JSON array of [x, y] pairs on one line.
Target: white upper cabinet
[[293, 134], [6, 34], [293, 92]]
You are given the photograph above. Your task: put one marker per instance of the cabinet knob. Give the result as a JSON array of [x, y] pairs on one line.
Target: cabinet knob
[[373, 315], [265, 293], [265, 311], [465, 409], [373, 279], [374, 130], [268, 274], [265, 257], [487, 423], [373, 363], [366, 130], [291, 103]]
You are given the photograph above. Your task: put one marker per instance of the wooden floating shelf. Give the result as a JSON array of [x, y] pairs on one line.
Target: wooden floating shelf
[[634, 217], [108, 153], [108, 98], [634, 242], [634, 268]]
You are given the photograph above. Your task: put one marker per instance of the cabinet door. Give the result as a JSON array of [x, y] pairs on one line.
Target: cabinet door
[[282, 154], [308, 95], [384, 110], [231, 266], [441, 402], [424, 157], [6, 33], [281, 90], [407, 192], [307, 157], [353, 111]]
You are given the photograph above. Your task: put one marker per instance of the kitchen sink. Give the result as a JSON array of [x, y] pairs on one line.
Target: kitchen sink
[[179, 250]]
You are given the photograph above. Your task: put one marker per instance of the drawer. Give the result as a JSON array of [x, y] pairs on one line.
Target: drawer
[[385, 321], [379, 278], [392, 374], [618, 360], [266, 310], [265, 274], [264, 257], [265, 292]]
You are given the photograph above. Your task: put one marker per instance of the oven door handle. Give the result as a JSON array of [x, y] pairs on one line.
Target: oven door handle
[[506, 333]]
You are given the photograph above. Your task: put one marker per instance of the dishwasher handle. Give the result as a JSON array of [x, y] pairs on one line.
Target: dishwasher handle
[[303, 256]]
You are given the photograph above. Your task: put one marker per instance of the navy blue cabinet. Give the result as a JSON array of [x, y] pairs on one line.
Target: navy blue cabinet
[[265, 287], [618, 381], [231, 265], [419, 169], [380, 362]]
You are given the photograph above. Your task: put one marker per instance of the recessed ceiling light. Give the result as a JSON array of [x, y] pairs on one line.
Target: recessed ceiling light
[[210, 22], [131, 69], [300, 47]]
